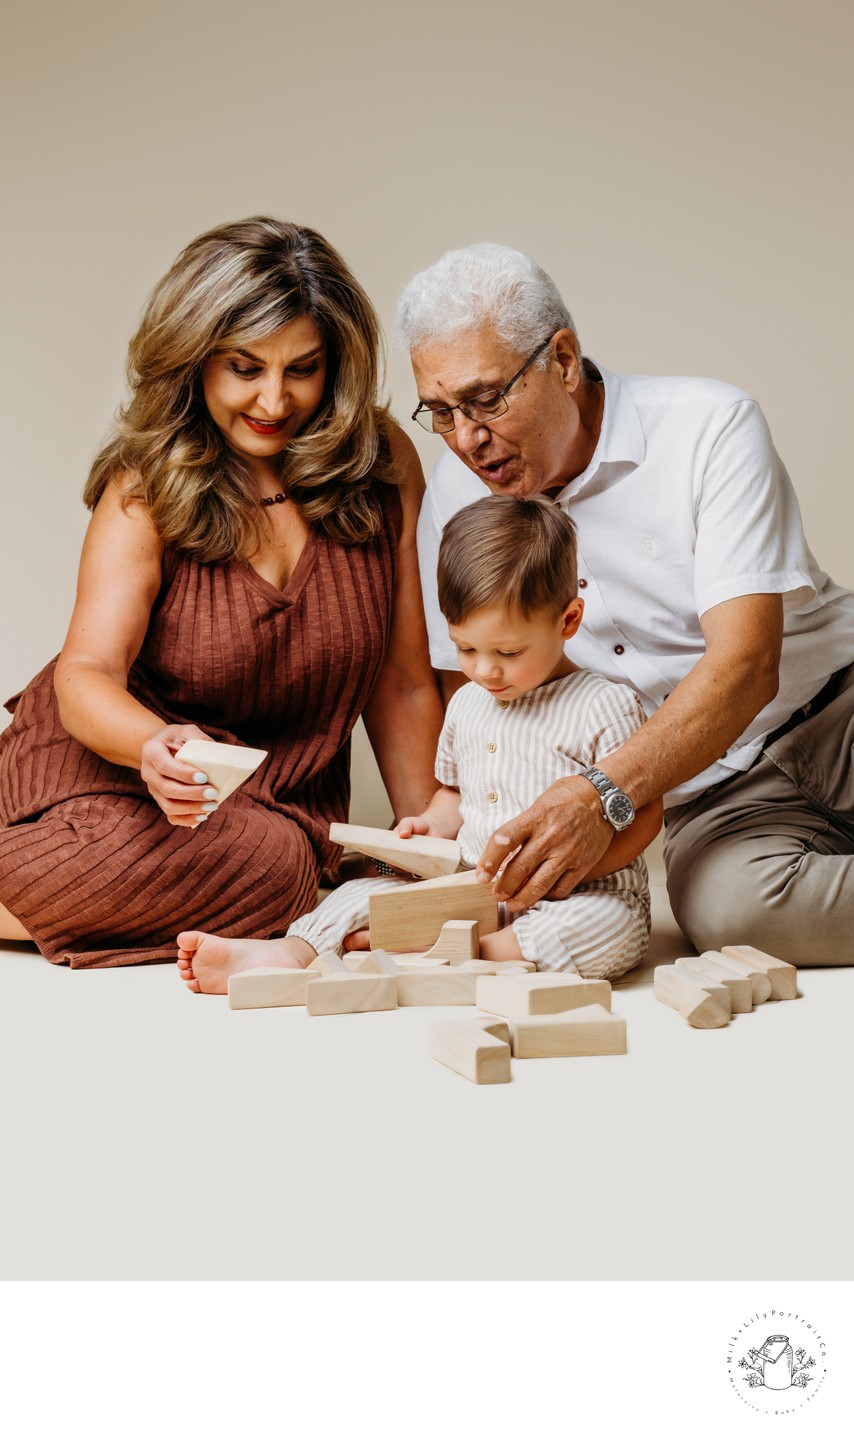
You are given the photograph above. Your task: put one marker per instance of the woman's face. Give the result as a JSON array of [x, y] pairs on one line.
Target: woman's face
[[263, 395]]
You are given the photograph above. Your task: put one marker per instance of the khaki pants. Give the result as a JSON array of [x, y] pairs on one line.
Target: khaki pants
[[767, 857]]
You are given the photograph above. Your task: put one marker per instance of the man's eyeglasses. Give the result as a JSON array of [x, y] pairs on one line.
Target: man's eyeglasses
[[480, 410]]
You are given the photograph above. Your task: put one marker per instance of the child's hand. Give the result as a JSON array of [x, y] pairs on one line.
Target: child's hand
[[417, 824]]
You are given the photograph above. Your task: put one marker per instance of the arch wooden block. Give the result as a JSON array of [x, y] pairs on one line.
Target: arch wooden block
[[268, 988], [783, 976], [412, 916], [760, 983], [700, 1009], [457, 942], [739, 985], [522, 996], [422, 854], [477, 1049], [581, 1033], [226, 765]]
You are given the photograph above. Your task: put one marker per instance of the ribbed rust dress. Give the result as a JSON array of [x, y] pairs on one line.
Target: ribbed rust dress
[[88, 862]]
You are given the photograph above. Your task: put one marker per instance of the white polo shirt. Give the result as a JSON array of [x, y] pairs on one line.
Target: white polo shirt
[[685, 504]]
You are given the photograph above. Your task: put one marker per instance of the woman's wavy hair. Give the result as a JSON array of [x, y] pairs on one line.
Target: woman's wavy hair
[[237, 284]]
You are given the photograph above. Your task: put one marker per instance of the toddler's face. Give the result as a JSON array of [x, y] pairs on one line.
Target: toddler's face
[[508, 655]]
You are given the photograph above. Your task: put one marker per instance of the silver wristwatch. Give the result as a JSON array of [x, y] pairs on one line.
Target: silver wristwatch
[[617, 807]]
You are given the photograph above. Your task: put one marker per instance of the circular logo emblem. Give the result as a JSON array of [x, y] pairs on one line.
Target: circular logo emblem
[[776, 1361]]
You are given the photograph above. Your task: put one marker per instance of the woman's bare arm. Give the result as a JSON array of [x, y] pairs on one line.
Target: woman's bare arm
[[404, 714]]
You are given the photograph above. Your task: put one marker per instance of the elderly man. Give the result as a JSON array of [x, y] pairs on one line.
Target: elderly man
[[700, 593]]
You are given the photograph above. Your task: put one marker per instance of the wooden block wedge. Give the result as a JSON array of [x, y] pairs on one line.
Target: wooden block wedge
[[268, 988], [412, 917], [701, 1010], [422, 855], [581, 1033], [351, 994], [521, 996], [713, 987], [474, 1048], [739, 985], [226, 765], [783, 976]]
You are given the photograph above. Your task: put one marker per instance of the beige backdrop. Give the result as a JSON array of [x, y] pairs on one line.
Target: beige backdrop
[[682, 170]]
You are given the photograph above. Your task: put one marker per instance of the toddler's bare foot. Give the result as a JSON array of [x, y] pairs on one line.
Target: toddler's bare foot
[[205, 961], [500, 947]]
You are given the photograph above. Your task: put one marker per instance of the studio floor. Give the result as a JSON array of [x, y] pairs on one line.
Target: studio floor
[[151, 1134]]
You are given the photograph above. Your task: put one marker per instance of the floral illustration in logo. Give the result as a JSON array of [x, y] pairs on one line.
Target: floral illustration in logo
[[776, 1365]]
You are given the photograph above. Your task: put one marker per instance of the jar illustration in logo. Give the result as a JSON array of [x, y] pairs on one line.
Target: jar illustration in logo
[[777, 1361]]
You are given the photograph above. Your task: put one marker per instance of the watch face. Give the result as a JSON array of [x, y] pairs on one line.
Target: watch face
[[620, 810]]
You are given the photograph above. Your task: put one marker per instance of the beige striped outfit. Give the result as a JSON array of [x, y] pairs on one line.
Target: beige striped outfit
[[502, 754]]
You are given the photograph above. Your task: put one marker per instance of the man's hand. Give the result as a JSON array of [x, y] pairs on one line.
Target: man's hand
[[557, 841]]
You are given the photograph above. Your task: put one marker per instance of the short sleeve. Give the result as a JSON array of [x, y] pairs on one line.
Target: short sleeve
[[446, 764], [750, 538], [615, 715]]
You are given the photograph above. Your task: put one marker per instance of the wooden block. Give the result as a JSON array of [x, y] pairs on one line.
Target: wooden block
[[471, 1050], [522, 996], [423, 855], [418, 963], [385, 963], [702, 1011], [351, 994], [718, 991], [436, 986], [329, 963], [783, 976], [759, 981], [466, 878], [226, 765], [503, 966], [359, 961], [412, 917], [314, 967], [457, 942], [268, 988], [739, 985], [582, 1033]]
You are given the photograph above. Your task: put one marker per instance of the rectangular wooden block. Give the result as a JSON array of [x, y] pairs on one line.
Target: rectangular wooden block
[[502, 966], [739, 985], [435, 986], [418, 963], [351, 994], [713, 987], [471, 1050], [783, 976], [422, 854], [521, 996], [581, 1033], [701, 1010], [226, 765], [268, 988], [760, 983], [412, 917]]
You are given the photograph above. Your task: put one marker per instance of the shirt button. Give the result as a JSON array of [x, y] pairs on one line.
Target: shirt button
[[492, 797], [582, 583], [504, 703], [491, 748], [618, 649]]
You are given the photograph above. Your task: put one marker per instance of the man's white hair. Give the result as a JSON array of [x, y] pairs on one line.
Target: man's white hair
[[478, 285]]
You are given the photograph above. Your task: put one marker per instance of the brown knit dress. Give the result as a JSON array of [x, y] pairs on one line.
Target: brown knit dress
[[88, 862]]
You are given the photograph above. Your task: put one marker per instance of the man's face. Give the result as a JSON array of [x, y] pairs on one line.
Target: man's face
[[539, 443]]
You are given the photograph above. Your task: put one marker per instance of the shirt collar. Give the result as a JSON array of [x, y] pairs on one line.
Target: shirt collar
[[621, 438]]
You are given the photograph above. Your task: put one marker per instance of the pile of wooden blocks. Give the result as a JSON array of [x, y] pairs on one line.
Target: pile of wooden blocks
[[709, 989]]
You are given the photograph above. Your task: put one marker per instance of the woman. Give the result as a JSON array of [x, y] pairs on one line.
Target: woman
[[248, 576]]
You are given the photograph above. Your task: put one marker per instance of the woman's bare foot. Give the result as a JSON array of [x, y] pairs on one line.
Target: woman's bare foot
[[205, 960]]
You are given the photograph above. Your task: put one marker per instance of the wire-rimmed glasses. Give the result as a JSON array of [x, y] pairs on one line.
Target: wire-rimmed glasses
[[480, 409]]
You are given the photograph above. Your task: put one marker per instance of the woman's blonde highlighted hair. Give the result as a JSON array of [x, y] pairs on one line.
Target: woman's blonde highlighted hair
[[237, 284]]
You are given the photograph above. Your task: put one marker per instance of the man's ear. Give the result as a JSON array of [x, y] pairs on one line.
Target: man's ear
[[568, 358], [572, 617]]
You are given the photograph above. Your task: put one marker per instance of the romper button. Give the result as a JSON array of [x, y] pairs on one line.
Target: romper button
[[492, 797], [490, 748], [618, 649], [582, 583], [504, 703]]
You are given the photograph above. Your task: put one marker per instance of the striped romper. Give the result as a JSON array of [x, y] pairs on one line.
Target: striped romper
[[502, 754]]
